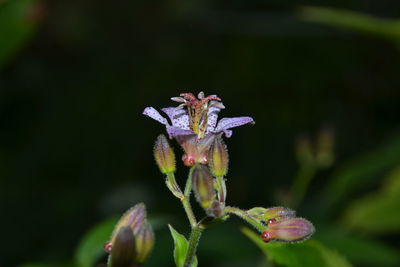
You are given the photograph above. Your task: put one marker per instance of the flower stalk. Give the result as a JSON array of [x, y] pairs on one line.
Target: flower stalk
[[194, 239]]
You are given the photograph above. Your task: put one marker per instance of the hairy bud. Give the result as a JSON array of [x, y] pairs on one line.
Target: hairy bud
[[203, 186], [164, 155], [218, 157], [144, 242], [132, 238], [123, 252], [290, 230], [271, 214]]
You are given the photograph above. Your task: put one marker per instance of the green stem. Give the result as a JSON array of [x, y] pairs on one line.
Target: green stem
[[193, 242], [173, 186], [188, 186], [186, 200], [243, 215]]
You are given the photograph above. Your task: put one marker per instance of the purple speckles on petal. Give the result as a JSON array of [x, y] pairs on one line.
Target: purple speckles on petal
[[175, 131], [179, 123], [228, 123], [179, 117], [154, 114], [212, 118], [228, 133]]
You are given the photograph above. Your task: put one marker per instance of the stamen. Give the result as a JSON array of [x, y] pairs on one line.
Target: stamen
[[198, 110]]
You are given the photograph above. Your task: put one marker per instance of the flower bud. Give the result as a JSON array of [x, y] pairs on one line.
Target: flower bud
[[144, 242], [132, 238], [134, 218], [295, 229], [218, 157], [257, 213], [164, 155], [278, 214], [203, 186], [123, 252], [271, 214]]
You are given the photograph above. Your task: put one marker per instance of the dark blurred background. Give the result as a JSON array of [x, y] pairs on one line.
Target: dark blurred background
[[75, 77]]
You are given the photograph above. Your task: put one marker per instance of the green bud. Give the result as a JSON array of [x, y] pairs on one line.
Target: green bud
[[144, 242], [164, 155], [257, 213], [218, 157], [203, 186], [275, 213], [278, 213]]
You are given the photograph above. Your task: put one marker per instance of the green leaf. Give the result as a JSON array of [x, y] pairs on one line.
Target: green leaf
[[378, 212], [384, 28], [359, 172], [305, 254], [355, 248], [91, 246], [181, 247], [18, 21]]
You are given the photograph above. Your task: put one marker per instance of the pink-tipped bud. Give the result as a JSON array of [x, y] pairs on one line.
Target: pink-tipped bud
[[132, 238], [164, 155], [218, 157], [290, 230], [203, 186]]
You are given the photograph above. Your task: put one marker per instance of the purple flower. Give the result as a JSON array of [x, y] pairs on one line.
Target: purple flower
[[194, 124]]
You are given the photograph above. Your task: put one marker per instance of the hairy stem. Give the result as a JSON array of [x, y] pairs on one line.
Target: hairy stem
[[193, 242], [243, 215], [186, 200]]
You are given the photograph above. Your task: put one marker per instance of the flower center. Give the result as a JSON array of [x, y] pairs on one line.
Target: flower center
[[198, 111]]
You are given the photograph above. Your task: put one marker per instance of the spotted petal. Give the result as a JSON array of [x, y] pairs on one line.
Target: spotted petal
[[212, 118], [227, 123], [179, 117], [155, 115], [175, 131]]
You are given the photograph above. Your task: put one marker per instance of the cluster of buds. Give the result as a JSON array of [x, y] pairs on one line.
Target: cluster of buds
[[281, 224], [132, 239]]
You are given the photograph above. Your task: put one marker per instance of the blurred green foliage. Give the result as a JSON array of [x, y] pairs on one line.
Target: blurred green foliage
[[90, 249], [377, 212], [18, 19], [356, 21]]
